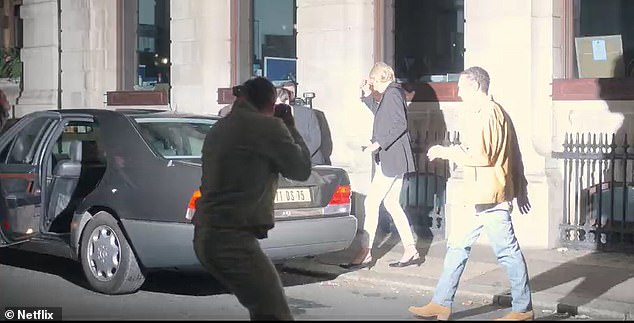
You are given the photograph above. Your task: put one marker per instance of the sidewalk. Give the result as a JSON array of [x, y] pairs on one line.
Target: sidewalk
[[573, 281]]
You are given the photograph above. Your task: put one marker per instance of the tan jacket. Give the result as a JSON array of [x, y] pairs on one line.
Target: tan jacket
[[486, 154]]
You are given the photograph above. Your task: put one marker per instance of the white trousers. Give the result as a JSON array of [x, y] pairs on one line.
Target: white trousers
[[387, 190]]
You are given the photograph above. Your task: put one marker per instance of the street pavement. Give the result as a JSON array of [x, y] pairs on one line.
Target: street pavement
[[577, 282], [29, 279]]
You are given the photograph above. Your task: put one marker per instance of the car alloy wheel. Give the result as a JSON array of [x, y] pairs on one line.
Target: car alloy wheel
[[103, 253], [107, 258]]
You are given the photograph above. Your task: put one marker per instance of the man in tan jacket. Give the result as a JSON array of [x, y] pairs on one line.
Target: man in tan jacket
[[493, 177]]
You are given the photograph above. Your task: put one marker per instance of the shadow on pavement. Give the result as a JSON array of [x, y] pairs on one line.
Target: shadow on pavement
[[490, 308], [596, 279], [385, 245], [65, 268], [484, 309], [200, 283], [594, 275], [190, 283]]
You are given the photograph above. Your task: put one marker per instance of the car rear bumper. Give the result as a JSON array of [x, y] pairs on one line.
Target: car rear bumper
[[169, 245]]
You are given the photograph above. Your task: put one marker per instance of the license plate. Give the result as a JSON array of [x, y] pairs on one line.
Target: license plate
[[292, 195]]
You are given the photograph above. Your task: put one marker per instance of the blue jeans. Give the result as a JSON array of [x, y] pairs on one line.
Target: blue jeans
[[497, 223]]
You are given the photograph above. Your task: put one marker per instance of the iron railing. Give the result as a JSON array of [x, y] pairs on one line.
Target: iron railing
[[598, 187], [424, 192]]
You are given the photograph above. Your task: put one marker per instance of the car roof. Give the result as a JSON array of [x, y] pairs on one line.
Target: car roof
[[134, 113]]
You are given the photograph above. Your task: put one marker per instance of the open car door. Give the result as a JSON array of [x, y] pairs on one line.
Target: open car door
[[20, 181]]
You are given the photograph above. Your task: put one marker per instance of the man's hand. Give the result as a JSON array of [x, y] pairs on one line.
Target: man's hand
[[284, 112], [371, 148], [437, 151], [522, 201], [524, 204]]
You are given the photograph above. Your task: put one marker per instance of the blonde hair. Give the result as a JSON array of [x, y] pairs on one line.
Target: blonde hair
[[382, 72]]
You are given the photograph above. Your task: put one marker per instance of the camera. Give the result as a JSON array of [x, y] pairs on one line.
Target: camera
[[282, 110]]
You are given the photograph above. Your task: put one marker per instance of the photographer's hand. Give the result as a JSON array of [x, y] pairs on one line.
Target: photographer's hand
[[288, 119], [284, 112]]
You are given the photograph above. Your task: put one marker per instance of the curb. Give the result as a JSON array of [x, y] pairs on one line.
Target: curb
[[608, 309], [548, 300]]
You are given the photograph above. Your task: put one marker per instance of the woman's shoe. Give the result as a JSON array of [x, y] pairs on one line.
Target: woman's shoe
[[414, 260], [365, 262]]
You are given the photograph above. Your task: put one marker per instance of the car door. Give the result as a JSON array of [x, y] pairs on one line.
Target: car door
[[20, 180], [73, 164]]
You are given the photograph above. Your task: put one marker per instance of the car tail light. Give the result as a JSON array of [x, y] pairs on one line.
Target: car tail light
[[341, 195], [191, 207]]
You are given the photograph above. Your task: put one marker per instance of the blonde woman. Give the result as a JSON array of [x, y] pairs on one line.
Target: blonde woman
[[392, 157]]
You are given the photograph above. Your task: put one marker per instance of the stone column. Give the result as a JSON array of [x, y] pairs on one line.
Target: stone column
[[335, 53], [201, 59], [335, 50], [39, 56], [544, 176], [75, 51], [89, 52], [88, 58], [512, 40]]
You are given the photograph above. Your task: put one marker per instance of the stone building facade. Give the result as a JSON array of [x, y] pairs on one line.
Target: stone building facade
[[75, 51]]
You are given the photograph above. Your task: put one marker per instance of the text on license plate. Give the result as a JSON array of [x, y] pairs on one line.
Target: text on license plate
[[292, 195]]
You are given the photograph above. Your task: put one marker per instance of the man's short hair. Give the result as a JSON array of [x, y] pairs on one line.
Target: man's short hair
[[258, 91], [478, 75]]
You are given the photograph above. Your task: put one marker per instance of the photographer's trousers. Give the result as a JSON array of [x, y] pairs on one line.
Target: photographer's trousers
[[235, 258]]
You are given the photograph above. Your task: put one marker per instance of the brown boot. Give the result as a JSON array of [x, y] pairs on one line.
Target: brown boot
[[518, 316], [441, 313]]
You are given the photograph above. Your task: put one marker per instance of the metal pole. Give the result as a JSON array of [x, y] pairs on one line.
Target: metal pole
[[624, 195], [59, 54]]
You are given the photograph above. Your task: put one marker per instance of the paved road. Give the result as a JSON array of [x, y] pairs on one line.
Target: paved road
[[28, 279]]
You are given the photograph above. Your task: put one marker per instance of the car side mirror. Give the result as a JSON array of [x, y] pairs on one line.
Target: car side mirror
[[67, 168]]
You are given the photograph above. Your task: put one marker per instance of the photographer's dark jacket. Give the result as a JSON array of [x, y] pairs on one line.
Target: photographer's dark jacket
[[390, 131], [243, 155]]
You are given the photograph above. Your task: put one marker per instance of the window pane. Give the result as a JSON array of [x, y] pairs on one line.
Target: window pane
[[429, 39], [175, 138], [605, 18], [24, 146], [153, 42], [4, 151], [85, 132], [274, 42]]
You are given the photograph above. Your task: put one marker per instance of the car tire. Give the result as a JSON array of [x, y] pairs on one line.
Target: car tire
[[107, 259]]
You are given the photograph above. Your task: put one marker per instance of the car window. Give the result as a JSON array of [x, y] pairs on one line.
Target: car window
[[85, 132], [22, 149], [175, 138], [8, 125]]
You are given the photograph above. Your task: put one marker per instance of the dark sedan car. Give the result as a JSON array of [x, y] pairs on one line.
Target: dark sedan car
[[112, 190]]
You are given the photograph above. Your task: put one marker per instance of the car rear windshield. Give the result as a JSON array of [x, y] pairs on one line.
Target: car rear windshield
[[175, 138]]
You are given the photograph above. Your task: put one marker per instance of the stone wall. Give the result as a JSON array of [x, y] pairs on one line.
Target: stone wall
[[201, 59], [39, 56]]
